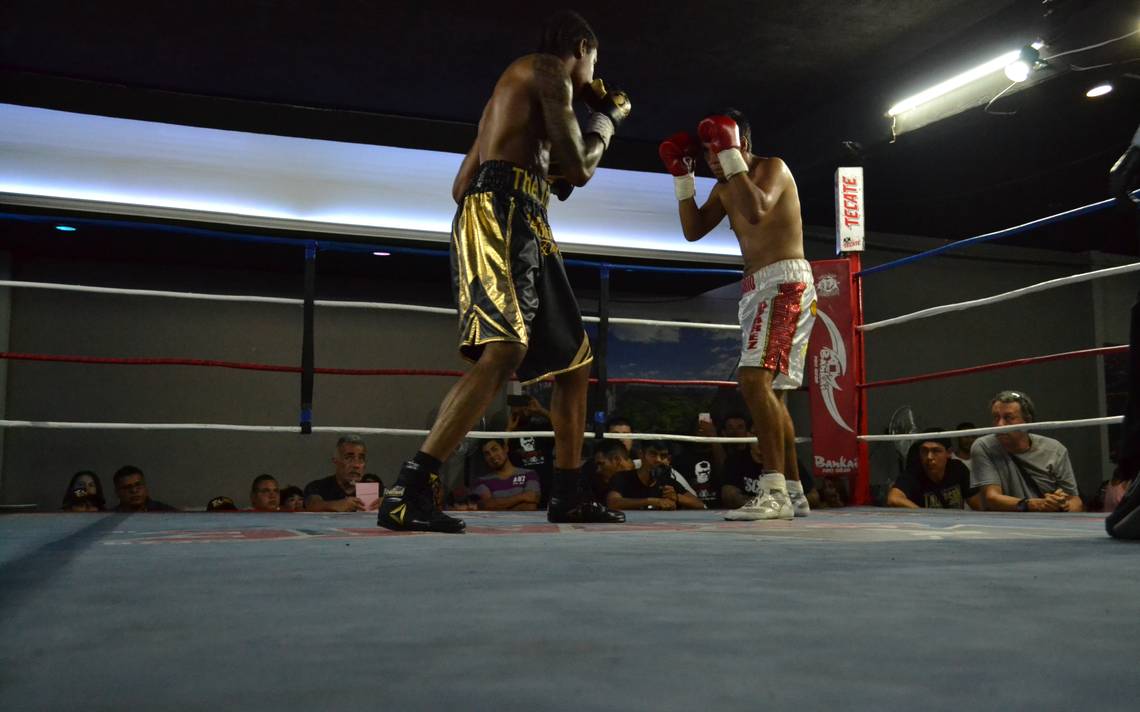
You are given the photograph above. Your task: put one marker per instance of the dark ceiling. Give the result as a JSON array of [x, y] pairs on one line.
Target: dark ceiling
[[810, 74]]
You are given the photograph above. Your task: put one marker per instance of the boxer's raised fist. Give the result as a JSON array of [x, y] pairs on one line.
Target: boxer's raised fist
[[679, 153], [719, 133]]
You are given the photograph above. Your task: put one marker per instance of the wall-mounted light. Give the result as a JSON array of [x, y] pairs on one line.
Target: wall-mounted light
[[65, 228], [1098, 90], [382, 254]]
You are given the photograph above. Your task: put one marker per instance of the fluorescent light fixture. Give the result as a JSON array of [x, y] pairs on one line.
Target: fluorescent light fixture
[[1098, 90], [79, 162], [958, 81], [65, 228], [382, 254]]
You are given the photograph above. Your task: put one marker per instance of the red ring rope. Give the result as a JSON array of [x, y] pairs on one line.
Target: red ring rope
[[994, 366]]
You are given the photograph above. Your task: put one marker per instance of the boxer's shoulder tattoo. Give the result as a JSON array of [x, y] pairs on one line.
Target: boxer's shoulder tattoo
[[551, 79]]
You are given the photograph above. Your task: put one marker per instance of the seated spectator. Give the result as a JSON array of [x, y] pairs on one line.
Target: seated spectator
[[1020, 472], [531, 453], [130, 486], [735, 425], [506, 486], [961, 452], [221, 504], [337, 492], [618, 424], [292, 499], [84, 493], [610, 458], [652, 485], [699, 466], [933, 480], [265, 494]]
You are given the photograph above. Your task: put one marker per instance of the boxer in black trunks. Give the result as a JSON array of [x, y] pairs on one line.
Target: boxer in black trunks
[[517, 312]]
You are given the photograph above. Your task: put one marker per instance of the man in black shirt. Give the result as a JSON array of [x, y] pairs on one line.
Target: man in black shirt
[[337, 492], [652, 485], [932, 479], [130, 485]]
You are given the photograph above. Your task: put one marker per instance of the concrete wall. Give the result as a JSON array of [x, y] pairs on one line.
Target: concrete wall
[[187, 469]]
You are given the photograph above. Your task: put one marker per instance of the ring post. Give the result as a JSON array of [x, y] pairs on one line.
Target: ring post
[[307, 360], [850, 241]]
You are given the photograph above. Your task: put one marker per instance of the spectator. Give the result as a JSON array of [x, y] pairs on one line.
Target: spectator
[[292, 499], [700, 465], [531, 453], [1019, 472], [84, 493], [337, 492], [652, 485], [735, 425], [610, 458], [506, 486], [130, 486], [618, 424], [221, 504], [961, 453], [265, 494], [933, 480]]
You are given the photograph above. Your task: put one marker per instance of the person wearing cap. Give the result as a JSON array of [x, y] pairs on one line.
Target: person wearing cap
[[1021, 472], [932, 479], [221, 504]]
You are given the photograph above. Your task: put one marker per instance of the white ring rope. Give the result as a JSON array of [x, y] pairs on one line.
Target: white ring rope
[[1043, 425], [474, 434], [326, 303], [1041, 287]]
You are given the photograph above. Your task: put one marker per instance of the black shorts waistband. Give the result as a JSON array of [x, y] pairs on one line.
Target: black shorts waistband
[[506, 177]]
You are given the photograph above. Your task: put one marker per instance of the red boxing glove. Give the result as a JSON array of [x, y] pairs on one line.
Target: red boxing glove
[[679, 153], [721, 135]]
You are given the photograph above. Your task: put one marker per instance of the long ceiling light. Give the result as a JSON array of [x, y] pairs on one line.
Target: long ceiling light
[[956, 82]]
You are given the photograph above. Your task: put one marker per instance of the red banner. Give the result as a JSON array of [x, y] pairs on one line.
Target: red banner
[[831, 373]]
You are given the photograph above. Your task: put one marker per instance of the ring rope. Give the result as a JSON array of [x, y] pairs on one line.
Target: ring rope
[[1043, 425], [996, 235], [474, 434], [1102, 351], [1032, 289], [388, 306]]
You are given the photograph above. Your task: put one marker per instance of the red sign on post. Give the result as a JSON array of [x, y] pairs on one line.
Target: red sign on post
[[831, 367]]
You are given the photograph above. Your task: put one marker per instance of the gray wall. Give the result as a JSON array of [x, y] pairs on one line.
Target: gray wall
[[187, 469]]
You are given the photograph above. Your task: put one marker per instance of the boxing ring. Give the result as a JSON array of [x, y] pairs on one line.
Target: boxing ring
[[853, 608]]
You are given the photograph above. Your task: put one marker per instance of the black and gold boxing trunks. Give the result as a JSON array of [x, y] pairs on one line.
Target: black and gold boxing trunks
[[509, 280]]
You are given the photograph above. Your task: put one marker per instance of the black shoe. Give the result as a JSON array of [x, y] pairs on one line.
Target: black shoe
[[410, 510], [567, 510]]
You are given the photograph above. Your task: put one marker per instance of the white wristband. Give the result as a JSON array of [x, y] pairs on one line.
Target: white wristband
[[684, 187], [601, 125], [732, 162]]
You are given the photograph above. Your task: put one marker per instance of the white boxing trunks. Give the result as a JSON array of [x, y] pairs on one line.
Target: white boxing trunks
[[777, 311]]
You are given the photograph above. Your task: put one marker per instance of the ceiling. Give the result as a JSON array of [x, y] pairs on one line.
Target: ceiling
[[810, 75]]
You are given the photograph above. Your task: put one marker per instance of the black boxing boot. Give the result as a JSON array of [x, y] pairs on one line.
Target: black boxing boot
[[572, 502], [409, 505]]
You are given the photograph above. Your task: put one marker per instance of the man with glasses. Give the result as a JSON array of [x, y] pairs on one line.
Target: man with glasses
[[1021, 472]]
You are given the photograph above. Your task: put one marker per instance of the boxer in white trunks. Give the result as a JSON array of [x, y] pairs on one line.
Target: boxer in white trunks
[[777, 307]]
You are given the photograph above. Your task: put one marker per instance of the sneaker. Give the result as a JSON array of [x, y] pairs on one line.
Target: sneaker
[[579, 510], [413, 510], [764, 506], [799, 503]]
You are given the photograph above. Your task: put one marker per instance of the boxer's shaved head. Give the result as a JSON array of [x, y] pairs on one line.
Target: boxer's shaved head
[[563, 32]]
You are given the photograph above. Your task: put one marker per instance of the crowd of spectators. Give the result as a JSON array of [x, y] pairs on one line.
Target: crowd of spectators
[[1013, 470]]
